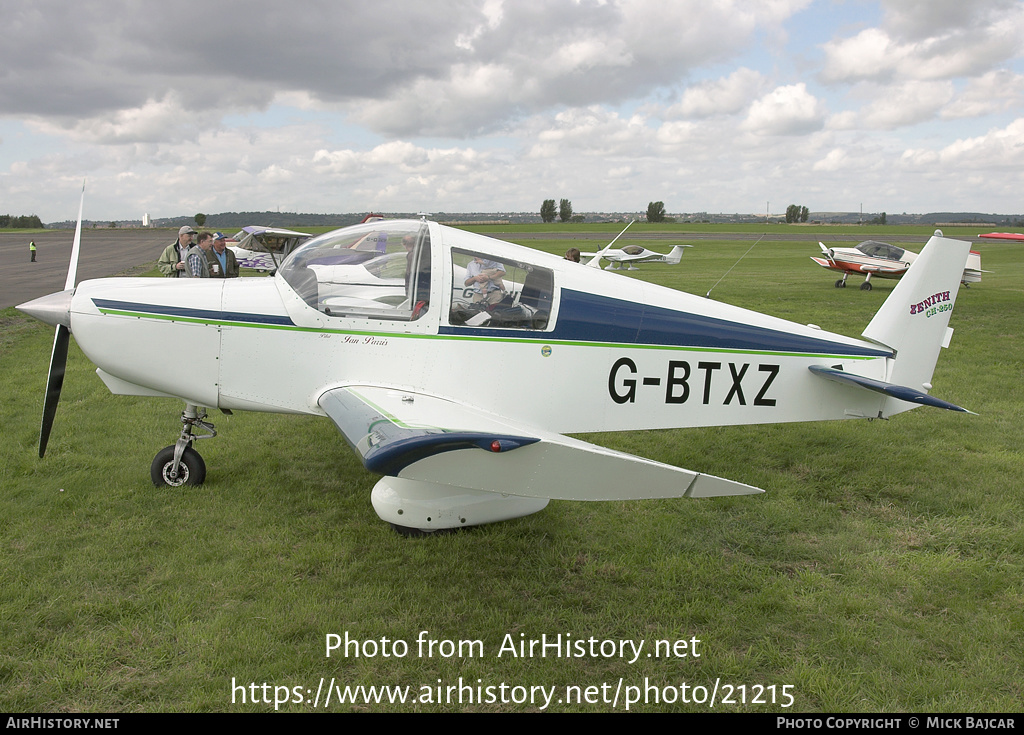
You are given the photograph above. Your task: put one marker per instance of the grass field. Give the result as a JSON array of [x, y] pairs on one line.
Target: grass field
[[880, 572]]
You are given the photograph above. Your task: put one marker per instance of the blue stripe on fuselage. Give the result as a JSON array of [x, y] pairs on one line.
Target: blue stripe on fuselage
[[586, 317], [189, 313]]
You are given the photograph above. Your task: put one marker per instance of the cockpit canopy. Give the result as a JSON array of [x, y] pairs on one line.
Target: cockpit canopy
[[269, 239], [875, 249], [377, 270], [383, 270]]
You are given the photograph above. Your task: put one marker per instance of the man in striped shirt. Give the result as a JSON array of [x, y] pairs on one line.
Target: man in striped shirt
[[196, 264]]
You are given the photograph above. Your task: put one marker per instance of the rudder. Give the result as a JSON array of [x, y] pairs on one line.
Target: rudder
[[914, 320]]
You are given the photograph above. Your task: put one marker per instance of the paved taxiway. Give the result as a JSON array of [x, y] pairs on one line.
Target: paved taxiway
[[104, 253]]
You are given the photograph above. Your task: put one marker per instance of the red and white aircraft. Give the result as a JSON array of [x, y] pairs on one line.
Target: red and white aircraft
[[882, 260]]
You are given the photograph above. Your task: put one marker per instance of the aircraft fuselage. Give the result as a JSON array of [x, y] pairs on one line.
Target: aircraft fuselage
[[612, 354]]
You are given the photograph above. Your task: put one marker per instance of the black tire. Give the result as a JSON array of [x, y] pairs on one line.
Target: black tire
[[840, 283], [191, 469], [866, 286]]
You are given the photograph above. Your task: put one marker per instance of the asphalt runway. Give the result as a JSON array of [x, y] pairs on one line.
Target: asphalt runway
[[105, 252]]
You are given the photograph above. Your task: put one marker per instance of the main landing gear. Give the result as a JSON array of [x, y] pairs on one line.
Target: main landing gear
[[866, 286], [180, 464]]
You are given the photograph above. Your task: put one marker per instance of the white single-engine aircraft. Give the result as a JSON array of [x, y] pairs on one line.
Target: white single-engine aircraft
[[460, 394]]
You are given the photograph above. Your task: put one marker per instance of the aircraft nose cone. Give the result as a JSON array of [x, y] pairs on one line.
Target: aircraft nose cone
[[52, 309]]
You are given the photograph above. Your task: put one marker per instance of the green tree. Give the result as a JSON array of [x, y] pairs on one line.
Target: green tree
[[200, 219], [547, 210], [656, 212], [25, 221], [565, 210], [797, 213]]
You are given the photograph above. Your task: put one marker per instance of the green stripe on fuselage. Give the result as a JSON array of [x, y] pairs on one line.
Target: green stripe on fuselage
[[475, 338]]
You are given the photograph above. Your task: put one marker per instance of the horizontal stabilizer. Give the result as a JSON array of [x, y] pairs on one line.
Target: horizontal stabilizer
[[431, 439], [896, 391]]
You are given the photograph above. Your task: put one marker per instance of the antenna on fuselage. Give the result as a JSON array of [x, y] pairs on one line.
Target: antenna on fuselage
[[708, 294]]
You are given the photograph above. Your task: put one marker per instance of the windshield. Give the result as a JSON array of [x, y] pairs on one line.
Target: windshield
[[884, 250], [378, 270]]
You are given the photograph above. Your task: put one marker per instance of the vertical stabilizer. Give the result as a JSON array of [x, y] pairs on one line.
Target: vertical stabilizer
[[675, 255], [914, 320]]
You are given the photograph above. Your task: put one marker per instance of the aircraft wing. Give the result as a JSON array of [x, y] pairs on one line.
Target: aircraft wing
[[423, 437], [1017, 236], [258, 230]]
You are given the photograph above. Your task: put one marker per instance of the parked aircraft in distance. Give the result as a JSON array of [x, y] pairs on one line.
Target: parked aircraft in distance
[[1015, 236], [459, 381], [265, 248], [882, 260], [633, 254]]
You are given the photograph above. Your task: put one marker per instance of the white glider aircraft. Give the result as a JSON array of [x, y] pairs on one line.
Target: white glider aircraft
[[633, 254], [462, 401]]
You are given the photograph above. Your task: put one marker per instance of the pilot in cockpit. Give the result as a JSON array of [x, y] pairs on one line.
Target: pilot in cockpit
[[484, 278]]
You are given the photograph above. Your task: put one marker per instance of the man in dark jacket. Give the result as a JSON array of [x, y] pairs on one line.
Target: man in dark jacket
[[222, 262]]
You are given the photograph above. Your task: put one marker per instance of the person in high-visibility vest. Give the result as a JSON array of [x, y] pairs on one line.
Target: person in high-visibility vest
[[32, 250]]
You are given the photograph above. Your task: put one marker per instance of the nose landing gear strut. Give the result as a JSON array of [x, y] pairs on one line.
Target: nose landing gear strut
[[180, 464]]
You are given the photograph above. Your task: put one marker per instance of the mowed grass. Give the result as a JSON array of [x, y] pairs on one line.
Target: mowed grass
[[880, 572]]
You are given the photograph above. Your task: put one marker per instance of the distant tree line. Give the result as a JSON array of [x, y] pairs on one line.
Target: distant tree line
[[563, 211], [25, 222]]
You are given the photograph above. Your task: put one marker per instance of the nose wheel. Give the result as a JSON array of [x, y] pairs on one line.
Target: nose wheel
[[191, 469], [180, 464]]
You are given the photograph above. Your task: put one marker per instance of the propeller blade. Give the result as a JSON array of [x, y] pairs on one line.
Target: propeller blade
[[54, 384], [59, 356], [76, 245]]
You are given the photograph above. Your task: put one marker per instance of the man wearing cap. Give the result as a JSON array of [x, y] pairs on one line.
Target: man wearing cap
[[222, 262], [172, 260]]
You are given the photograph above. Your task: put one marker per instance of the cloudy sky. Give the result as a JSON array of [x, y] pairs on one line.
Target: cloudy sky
[[176, 106]]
